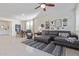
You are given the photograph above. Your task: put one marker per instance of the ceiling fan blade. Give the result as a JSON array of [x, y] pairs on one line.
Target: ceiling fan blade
[[44, 9], [52, 5], [37, 7]]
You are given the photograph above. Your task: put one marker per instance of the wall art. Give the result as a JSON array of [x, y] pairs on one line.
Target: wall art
[[47, 25], [58, 23], [64, 22]]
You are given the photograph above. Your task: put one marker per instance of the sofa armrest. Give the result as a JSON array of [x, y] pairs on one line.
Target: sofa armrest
[[74, 35]]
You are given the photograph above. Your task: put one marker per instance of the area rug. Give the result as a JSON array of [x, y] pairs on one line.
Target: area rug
[[49, 48]]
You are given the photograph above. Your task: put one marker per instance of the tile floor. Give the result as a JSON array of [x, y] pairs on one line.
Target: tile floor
[[12, 46]]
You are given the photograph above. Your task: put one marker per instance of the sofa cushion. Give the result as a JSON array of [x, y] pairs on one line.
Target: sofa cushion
[[45, 39], [71, 39], [65, 39], [53, 33], [64, 34], [73, 44], [45, 32], [60, 38]]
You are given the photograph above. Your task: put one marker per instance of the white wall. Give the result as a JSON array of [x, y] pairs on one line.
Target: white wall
[[64, 11], [77, 18]]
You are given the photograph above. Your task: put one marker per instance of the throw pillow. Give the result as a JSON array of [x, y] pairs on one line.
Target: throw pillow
[[71, 39], [64, 34]]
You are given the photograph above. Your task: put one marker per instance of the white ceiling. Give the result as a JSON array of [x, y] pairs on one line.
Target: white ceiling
[[26, 11]]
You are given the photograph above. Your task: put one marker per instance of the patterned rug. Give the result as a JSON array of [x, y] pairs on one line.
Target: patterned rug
[[49, 48]]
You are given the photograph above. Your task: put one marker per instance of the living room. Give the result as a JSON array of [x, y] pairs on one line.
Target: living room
[[39, 29]]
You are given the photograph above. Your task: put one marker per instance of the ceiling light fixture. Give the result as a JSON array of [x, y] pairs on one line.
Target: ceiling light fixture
[[43, 6]]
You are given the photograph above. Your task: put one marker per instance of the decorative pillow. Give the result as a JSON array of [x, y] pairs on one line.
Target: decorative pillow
[[64, 34], [71, 39]]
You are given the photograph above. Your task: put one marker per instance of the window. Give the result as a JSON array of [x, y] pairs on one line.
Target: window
[[29, 25]]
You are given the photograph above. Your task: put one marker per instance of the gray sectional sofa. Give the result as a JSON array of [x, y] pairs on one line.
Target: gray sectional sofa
[[54, 42], [63, 38]]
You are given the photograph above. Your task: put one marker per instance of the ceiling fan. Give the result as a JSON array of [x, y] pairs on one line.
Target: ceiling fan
[[44, 5]]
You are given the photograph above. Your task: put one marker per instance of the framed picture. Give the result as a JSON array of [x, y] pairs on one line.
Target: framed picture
[[47, 24], [64, 22], [52, 22], [58, 23]]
